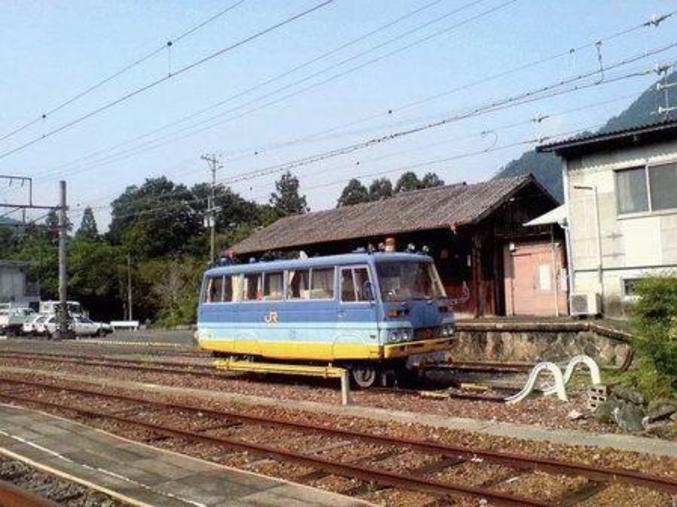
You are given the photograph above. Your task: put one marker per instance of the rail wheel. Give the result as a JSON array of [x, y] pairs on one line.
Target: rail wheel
[[364, 376]]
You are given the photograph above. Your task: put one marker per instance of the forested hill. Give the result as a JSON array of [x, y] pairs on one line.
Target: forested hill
[[547, 167]]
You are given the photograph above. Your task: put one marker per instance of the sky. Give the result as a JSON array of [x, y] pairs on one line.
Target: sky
[[345, 73]]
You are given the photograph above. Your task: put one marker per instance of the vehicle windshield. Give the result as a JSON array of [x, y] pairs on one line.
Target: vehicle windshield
[[400, 281]]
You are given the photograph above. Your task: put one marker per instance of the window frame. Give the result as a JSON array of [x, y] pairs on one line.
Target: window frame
[[647, 178], [624, 293], [265, 275], [352, 268]]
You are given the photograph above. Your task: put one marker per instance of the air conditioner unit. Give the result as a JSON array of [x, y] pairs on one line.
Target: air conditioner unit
[[585, 303]]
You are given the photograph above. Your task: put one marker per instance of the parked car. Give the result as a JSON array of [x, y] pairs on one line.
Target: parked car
[[12, 320], [40, 326], [81, 326], [29, 326]]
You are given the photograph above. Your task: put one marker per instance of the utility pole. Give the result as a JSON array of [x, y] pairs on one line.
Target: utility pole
[[129, 286], [214, 165], [62, 314]]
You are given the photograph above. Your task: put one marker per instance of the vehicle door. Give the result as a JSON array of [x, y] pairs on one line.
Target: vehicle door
[[357, 314]]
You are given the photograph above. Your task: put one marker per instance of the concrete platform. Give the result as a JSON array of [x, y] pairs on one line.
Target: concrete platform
[[140, 474]]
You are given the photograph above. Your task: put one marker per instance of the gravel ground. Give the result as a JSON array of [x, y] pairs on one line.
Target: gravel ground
[[471, 473], [544, 411], [53, 488]]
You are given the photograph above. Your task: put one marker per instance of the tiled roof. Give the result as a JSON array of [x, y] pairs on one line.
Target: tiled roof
[[432, 208]]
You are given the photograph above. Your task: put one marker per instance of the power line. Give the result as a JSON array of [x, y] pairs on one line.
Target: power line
[[524, 98], [175, 205], [148, 145], [307, 161], [277, 77], [153, 84], [121, 71]]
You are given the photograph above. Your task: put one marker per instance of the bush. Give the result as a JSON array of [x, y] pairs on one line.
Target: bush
[[654, 322]]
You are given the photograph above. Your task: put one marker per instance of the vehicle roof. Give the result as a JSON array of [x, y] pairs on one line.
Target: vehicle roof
[[328, 260]]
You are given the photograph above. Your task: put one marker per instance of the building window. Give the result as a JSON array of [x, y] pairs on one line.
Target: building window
[[631, 188], [649, 188], [663, 183], [630, 287]]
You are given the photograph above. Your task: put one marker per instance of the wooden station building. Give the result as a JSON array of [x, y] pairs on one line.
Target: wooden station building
[[485, 255]]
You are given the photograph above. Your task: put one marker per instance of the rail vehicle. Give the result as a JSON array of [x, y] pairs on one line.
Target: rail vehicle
[[367, 312]]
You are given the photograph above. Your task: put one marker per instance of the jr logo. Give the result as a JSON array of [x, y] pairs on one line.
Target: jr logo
[[270, 318]]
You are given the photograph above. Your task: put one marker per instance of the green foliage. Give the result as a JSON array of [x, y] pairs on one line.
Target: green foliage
[[172, 288], [353, 193], [431, 180], [654, 321], [381, 188], [155, 218], [286, 199], [88, 229], [408, 181]]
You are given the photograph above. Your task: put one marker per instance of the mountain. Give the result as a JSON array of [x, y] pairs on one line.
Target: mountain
[[547, 167]]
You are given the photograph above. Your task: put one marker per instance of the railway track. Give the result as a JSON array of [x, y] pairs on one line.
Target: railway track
[[13, 496], [172, 367], [232, 431]]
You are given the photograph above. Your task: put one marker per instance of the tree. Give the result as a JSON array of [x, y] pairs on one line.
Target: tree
[[407, 182], [380, 188], [155, 219], [88, 229], [286, 199], [353, 193], [431, 180]]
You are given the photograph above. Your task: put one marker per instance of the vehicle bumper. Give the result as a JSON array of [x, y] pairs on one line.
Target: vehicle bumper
[[395, 350]]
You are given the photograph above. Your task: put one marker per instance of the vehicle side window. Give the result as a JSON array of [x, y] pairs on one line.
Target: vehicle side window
[[252, 287], [227, 288], [273, 286], [361, 284], [215, 290], [298, 284], [322, 283], [347, 285]]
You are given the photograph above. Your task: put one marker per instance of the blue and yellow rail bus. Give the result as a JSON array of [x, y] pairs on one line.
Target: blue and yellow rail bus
[[366, 311]]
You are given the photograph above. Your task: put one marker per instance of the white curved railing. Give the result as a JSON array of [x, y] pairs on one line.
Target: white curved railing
[[531, 382], [593, 368]]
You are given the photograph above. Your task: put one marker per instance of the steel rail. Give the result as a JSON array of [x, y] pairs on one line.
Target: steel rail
[[432, 486], [513, 460], [14, 496], [117, 362]]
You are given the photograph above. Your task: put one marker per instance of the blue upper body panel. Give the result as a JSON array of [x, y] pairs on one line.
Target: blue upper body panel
[[324, 313]]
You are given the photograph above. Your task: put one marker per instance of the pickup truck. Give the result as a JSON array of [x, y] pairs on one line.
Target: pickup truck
[[12, 320]]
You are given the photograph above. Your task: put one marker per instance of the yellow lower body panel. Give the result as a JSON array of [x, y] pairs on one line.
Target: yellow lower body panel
[[280, 368], [396, 350], [311, 351]]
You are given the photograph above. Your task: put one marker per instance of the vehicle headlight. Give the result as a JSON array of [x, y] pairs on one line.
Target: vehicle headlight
[[398, 335], [448, 330]]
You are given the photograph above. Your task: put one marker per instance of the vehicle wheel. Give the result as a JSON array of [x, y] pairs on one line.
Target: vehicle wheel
[[364, 376], [100, 332]]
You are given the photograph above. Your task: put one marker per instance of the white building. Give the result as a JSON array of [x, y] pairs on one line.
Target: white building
[[14, 289], [620, 191]]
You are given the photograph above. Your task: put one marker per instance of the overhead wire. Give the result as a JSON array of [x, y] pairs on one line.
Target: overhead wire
[[170, 137], [321, 157], [120, 71], [606, 39], [171, 75]]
